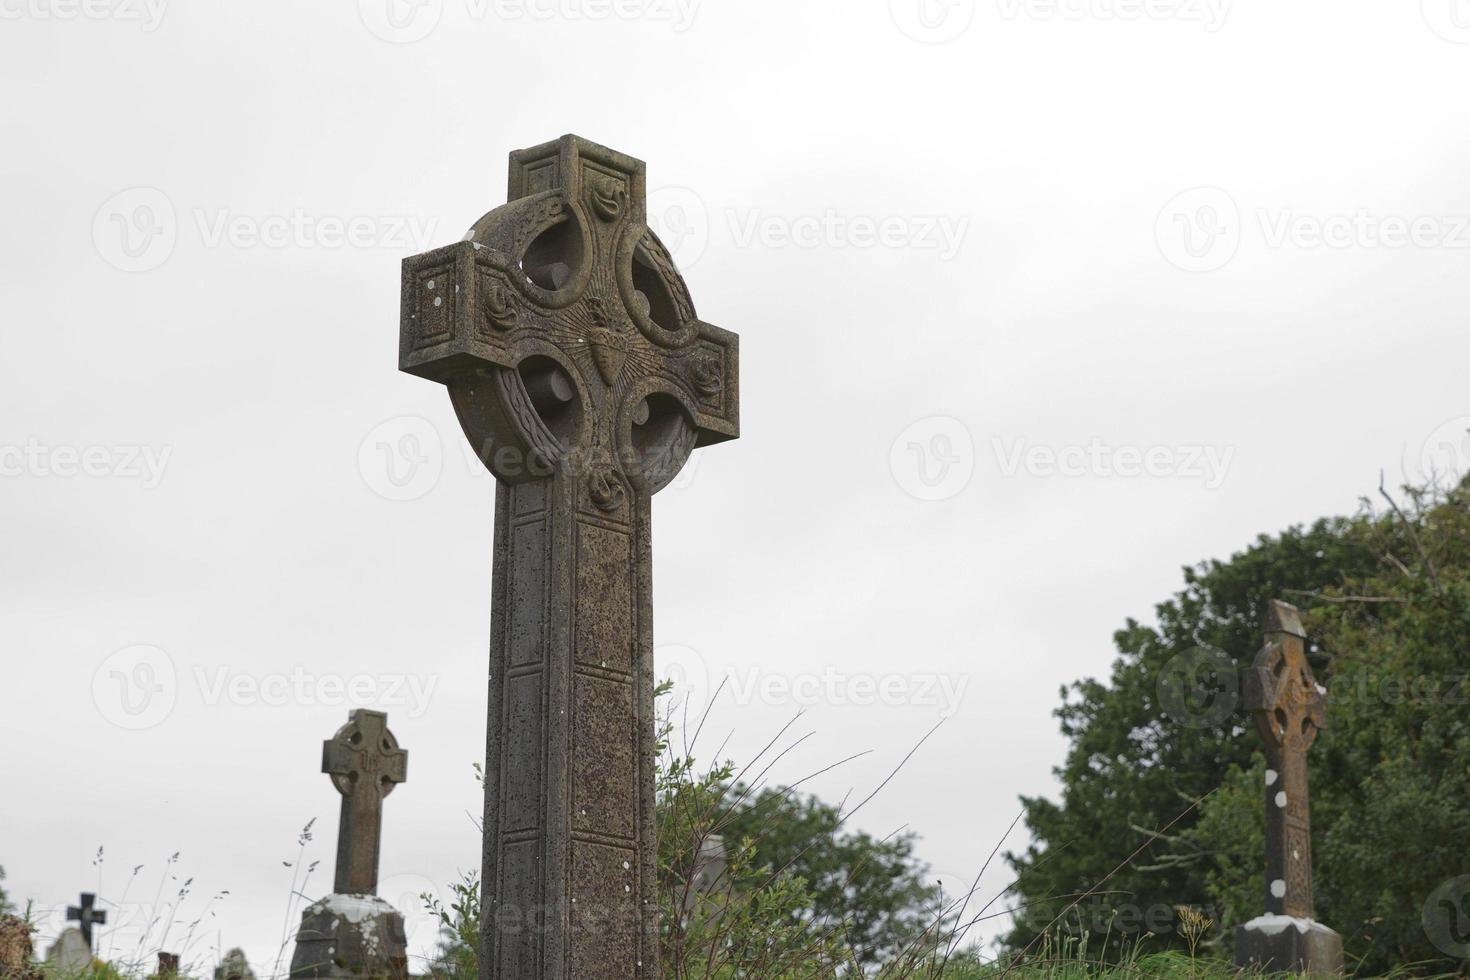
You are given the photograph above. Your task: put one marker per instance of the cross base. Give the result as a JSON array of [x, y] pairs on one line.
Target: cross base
[[1282, 944], [351, 937]]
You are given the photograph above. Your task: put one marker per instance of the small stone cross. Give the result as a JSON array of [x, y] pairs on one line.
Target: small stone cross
[[87, 915], [365, 764], [1289, 710]]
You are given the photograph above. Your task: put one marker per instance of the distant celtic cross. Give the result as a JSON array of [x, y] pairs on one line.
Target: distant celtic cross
[[1289, 710], [583, 379], [365, 764]]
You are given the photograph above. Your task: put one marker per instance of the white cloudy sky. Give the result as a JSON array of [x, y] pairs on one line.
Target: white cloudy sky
[[957, 241]]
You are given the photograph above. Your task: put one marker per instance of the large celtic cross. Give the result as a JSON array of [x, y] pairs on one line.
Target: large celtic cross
[[583, 379], [1289, 710]]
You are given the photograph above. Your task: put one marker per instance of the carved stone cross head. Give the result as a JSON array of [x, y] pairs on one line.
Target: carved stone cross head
[[1281, 691], [566, 336], [365, 764], [364, 757]]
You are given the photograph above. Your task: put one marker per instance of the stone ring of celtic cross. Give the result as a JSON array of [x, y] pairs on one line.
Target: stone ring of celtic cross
[[567, 338]]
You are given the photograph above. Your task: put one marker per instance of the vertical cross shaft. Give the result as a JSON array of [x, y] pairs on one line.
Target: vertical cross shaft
[[583, 379], [1289, 710], [365, 764]]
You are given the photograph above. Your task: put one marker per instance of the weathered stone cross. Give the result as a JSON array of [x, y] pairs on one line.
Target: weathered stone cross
[[86, 916], [365, 764], [584, 380], [1289, 710]]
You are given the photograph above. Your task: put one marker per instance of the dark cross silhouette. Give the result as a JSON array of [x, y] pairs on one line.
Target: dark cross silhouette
[[1289, 710], [583, 379], [365, 764], [87, 915]]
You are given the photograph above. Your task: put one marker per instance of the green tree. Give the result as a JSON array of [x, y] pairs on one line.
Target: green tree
[[876, 889], [1140, 760], [5, 906], [1386, 598]]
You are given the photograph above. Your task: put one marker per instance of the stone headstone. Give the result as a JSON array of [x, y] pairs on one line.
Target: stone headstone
[[168, 966], [70, 953], [234, 966], [710, 867], [353, 933], [583, 379], [1289, 709]]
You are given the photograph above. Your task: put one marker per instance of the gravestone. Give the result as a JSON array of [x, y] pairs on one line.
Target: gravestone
[[709, 877], [583, 380], [1289, 709], [353, 933], [71, 953], [234, 967], [168, 966]]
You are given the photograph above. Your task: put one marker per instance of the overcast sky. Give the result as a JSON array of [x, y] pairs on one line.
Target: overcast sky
[[1039, 300]]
